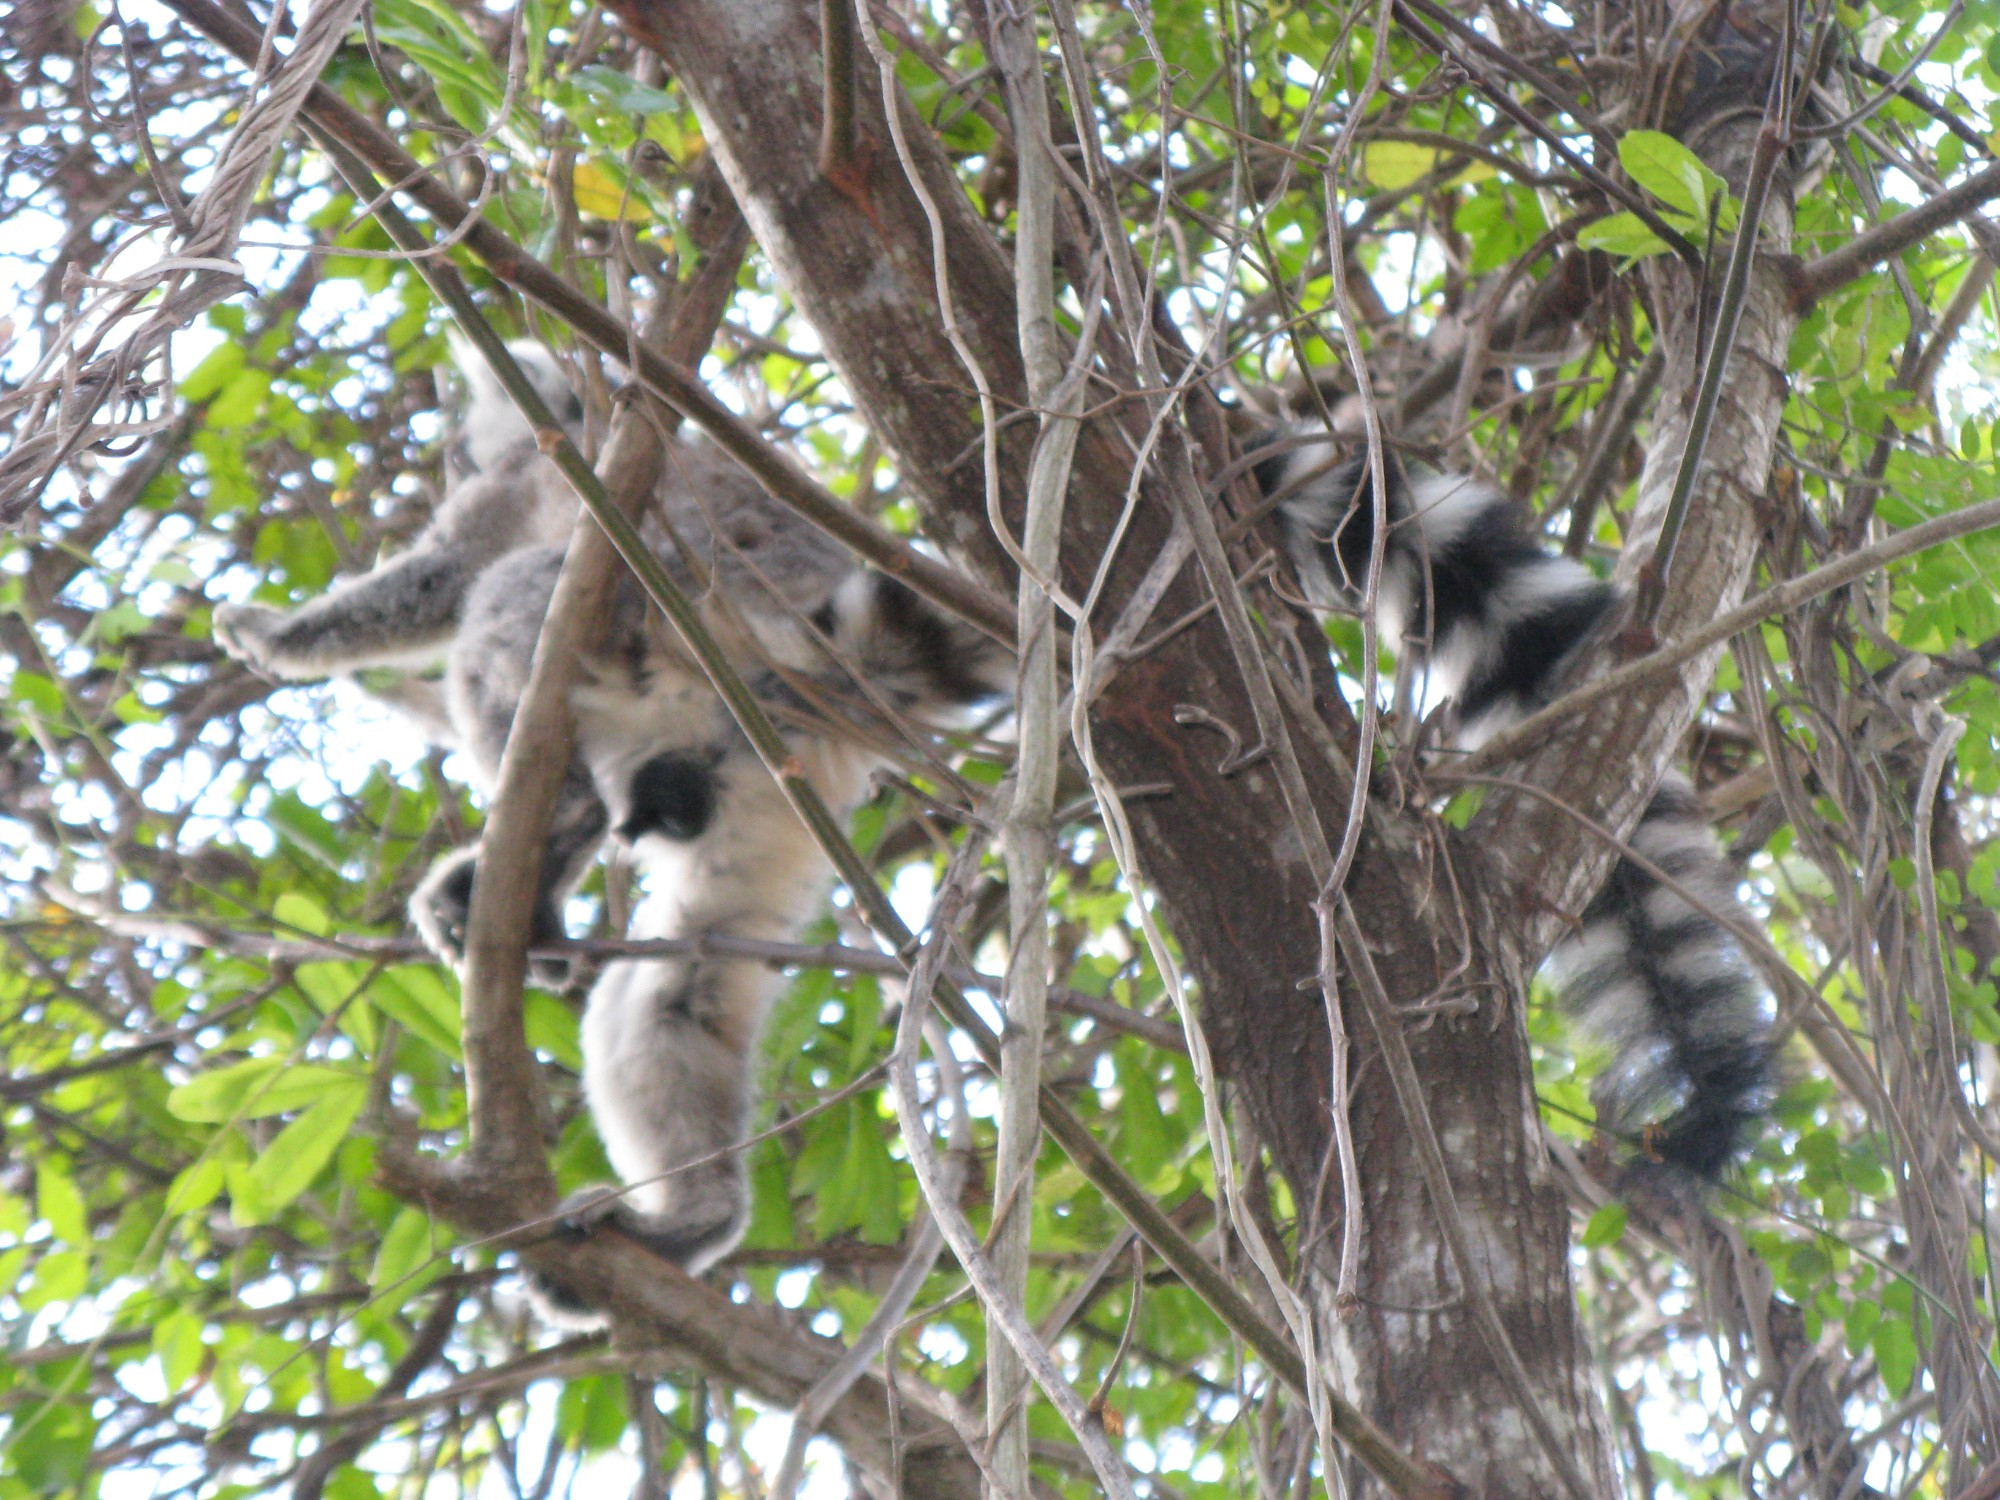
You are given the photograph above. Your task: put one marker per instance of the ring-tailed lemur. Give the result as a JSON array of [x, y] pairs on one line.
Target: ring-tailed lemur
[[668, 1043], [1498, 619]]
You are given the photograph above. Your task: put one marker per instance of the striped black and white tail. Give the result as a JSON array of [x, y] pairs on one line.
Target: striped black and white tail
[[1495, 618]]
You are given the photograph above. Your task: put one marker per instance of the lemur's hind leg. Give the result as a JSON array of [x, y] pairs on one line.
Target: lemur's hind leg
[[668, 1048], [441, 906], [669, 1044], [490, 662]]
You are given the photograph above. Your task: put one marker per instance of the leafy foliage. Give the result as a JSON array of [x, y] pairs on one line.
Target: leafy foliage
[[212, 1018]]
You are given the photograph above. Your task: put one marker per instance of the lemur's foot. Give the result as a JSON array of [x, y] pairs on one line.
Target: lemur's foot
[[589, 1209], [693, 1242], [576, 1218]]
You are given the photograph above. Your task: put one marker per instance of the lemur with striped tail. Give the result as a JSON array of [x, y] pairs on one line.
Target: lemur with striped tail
[[1496, 619]]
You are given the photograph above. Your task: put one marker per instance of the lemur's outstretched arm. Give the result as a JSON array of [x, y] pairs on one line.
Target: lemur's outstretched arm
[[404, 612], [401, 615]]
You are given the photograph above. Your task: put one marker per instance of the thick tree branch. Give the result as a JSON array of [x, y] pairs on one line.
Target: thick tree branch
[[658, 1306], [1868, 250]]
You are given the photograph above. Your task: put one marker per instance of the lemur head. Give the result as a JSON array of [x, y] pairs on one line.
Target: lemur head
[[491, 425]]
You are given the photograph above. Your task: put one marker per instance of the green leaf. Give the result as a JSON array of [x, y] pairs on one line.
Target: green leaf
[[297, 910], [1669, 171], [1624, 235], [591, 1412], [1397, 164], [238, 403], [416, 998], [195, 1187], [1809, 1264], [626, 94], [58, 1202], [35, 691], [1862, 1319], [350, 1483], [1606, 1227], [59, 1277], [1145, 1144], [216, 370], [178, 1347], [246, 1206], [552, 1027], [1895, 1345], [306, 829], [253, 1088], [329, 984], [304, 1147], [409, 1243], [50, 1451]]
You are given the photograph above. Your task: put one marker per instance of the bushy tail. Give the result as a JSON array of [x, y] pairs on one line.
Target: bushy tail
[[1465, 582], [1664, 984], [1469, 590]]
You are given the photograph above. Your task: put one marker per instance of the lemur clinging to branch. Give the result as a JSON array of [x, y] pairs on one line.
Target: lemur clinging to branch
[[659, 764]]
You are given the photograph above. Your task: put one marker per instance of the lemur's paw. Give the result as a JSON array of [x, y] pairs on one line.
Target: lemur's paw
[[442, 905], [442, 910], [586, 1210], [245, 631], [691, 1241], [576, 1218]]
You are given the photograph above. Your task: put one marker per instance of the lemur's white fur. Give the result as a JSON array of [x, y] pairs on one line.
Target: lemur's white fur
[[659, 764], [493, 425]]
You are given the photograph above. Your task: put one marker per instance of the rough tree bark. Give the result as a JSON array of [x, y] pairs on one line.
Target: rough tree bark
[[858, 257]]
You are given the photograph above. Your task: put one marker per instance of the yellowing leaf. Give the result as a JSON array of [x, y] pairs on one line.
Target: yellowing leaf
[[1395, 164], [600, 195]]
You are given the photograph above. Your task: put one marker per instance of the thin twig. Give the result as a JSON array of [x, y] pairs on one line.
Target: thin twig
[[836, 141], [1764, 157]]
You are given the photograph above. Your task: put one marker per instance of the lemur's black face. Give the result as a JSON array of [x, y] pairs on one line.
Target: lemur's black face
[[672, 795]]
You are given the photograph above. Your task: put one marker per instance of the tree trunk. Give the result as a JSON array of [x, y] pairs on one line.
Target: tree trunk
[[1220, 848]]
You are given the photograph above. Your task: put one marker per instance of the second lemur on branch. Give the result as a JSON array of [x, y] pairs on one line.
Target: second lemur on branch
[[1496, 620]]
